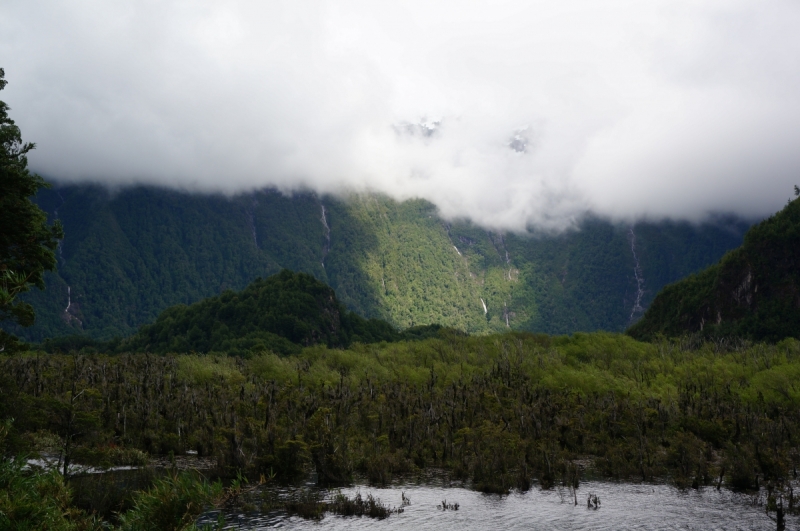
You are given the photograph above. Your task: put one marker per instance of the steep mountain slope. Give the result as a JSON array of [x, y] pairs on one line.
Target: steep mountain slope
[[753, 292], [130, 254]]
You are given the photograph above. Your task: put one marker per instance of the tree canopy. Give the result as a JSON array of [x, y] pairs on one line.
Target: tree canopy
[[281, 313], [27, 242]]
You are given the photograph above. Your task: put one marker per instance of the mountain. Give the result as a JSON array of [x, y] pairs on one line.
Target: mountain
[[129, 254], [753, 292], [282, 313]]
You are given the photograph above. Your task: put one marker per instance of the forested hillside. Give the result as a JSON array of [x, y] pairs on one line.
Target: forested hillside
[[753, 292], [131, 253], [282, 314]]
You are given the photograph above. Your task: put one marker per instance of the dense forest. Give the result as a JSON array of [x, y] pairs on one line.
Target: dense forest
[[281, 314], [498, 412], [753, 292], [130, 254]]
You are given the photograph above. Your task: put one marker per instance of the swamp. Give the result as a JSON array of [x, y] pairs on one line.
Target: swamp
[[511, 417]]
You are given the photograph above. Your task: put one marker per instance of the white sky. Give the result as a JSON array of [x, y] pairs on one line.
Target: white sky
[[657, 108]]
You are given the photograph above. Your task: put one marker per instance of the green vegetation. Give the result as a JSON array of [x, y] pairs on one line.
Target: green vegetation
[[130, 255], [753, 292], [497, 411], [311, 506], [172, 503], [35, 500], [281, 314], [27, 243]]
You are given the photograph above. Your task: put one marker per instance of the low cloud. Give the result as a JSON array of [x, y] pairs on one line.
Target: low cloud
[[513, 114]]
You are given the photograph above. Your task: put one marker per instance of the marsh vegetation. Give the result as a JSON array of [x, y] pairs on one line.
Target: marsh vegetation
[[497, 412]]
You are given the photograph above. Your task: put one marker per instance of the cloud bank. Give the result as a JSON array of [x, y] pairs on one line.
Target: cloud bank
[[511, 113]]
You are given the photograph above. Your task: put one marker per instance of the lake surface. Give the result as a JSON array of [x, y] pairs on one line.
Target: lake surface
[[622, 506]]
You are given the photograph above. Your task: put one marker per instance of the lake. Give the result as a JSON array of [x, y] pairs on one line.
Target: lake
[[622, 506]]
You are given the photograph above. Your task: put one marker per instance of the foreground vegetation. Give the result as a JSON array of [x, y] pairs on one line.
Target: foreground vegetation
[[40, 499], [498, 410]]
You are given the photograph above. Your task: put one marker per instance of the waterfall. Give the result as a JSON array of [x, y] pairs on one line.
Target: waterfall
[[503, 242], [485, 309], [637, 309], [251, 220], [55, 215], [327, 246], [67, 311]]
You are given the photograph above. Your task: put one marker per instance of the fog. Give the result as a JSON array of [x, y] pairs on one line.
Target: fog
[[514, 114]]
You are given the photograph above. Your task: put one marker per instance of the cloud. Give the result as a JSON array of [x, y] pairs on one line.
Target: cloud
[[511, 113]]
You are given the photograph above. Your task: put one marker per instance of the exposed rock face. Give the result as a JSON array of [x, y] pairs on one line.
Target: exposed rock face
[[753, 292]]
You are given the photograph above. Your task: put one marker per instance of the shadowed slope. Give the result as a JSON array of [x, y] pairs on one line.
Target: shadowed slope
[[753, 292], [281, 313]]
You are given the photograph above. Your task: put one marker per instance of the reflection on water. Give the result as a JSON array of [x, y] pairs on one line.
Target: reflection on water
[[622, 506]]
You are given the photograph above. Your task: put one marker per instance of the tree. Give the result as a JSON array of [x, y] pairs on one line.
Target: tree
[[27, 242]]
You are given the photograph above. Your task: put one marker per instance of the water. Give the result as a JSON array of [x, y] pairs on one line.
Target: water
[[623, 506]]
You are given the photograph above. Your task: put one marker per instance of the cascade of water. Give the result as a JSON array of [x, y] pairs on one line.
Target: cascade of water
[[251, 220], [505, 249], [327, 246], [637, 309], [68, 312], [55, 215]]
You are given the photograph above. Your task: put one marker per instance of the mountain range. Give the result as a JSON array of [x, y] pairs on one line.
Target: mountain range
[[128, 254]]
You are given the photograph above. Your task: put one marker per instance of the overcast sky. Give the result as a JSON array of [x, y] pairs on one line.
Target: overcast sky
[[512, 113]]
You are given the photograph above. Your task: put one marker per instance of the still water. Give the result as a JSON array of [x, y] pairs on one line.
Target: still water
[[622, 506]]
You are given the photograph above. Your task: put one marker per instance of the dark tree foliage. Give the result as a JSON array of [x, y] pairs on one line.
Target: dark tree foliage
[[281, 313], [753, 292], [27, 242]]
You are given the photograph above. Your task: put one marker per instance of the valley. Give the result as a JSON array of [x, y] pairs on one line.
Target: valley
[[129, 254]]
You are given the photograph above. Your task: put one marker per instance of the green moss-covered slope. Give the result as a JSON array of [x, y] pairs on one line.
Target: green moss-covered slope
[[753, 292]]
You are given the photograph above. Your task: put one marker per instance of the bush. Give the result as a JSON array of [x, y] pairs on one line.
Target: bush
[[172, 504]]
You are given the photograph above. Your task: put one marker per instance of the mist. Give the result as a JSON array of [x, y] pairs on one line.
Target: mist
[[514, 114]]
